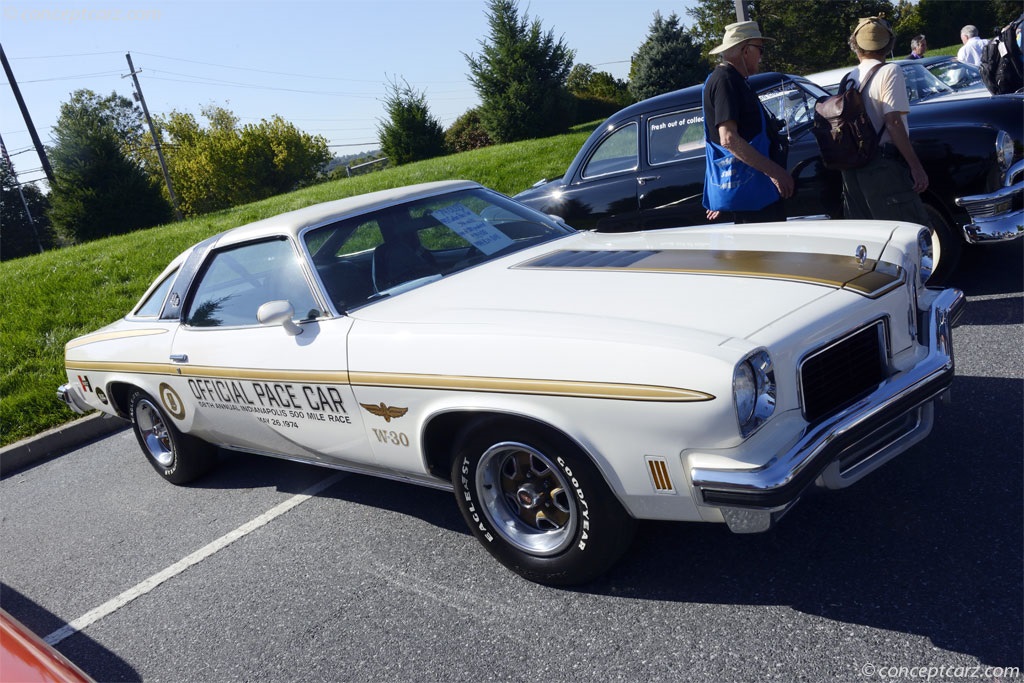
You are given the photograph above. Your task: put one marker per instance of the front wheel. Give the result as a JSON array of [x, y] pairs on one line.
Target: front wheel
[[177, 457], [537, 503]]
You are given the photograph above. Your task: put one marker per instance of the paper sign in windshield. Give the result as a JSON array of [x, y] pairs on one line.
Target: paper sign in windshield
[[473, 229]]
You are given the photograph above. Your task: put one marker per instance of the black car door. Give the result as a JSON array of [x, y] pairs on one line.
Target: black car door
[[670, 181]]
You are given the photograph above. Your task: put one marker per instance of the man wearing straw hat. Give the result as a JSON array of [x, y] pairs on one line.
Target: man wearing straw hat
[[741, 179], [888, 187]]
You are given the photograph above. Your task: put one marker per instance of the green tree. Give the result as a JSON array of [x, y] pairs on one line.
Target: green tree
[[224, 164], [941, 20], [410, 132], [22, 233], [101, 186], [808, 35], [467, 132], [668, 60], [520, 76]]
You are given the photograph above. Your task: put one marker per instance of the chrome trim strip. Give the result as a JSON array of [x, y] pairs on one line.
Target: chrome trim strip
[[778, 484]]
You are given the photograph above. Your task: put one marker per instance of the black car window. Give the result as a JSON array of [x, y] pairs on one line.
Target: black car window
[[675, 136], [790, 104], [238, 280], [616, 153], [154, 303]]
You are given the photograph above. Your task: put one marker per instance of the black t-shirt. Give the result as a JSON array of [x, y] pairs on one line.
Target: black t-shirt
[[728, 97]]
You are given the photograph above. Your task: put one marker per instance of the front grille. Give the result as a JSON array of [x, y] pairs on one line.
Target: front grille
[[838, 374]]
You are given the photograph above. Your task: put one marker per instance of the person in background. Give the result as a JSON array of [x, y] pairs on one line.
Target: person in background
[[970, 53], [888, 187], [736, 121], [918, 46]]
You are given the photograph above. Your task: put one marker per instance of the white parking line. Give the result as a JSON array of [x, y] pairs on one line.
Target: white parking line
[[94, 615]]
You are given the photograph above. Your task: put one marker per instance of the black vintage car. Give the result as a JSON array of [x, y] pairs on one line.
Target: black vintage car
[[643, 168]]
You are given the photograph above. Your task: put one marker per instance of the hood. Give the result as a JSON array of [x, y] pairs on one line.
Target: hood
[[687, 285]]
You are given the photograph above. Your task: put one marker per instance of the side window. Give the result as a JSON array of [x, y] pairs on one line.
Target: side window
[[238, 280], [616, 153], [790, 104], [154, 303], [675, 136]]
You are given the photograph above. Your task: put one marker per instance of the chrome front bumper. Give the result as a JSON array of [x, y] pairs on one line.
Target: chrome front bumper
[[996, 216], [69, 394], [875, 428]]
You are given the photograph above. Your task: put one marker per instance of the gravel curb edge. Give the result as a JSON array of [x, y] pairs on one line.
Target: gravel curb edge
[[57, 441]]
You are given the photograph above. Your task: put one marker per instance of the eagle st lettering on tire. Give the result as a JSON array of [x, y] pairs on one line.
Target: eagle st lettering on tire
[[537, 503], [177, 457]]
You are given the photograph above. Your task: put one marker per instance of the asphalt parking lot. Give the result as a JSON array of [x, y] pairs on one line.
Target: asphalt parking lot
[[273, 571]]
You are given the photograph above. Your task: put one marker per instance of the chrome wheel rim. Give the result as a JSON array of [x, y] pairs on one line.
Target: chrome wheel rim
[[155, 437], [527, 498]]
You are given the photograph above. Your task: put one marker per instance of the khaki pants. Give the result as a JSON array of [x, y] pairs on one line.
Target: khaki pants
[[882, 190]]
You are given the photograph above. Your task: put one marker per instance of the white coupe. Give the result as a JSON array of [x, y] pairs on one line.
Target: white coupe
[[563, 384]]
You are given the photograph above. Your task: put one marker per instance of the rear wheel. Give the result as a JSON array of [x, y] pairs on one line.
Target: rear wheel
[[177, 457], [537, 503], [947, 245]]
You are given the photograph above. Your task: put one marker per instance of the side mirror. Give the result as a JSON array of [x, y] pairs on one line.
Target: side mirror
[[279, 313]]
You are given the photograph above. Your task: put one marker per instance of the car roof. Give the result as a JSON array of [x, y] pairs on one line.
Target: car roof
[[293, 222]]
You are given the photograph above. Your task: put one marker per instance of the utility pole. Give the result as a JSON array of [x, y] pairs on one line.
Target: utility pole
[[152, 131], [741, 11], [40, 150], [32, 223]]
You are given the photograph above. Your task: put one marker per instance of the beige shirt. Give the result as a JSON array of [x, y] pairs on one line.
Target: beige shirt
[[886, 92]]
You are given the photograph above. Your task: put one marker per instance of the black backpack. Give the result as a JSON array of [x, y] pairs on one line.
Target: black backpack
[[1000, 66], [842, 127]]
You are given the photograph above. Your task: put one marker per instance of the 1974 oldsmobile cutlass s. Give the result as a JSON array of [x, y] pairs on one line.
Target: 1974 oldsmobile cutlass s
[[562, 384]]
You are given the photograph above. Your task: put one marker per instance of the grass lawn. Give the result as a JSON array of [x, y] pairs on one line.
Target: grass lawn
[[47, 299]]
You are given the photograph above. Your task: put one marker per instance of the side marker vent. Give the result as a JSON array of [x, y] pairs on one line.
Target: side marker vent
[[660, 478]]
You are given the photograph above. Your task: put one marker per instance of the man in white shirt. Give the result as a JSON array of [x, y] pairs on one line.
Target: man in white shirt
[[889, 186], [970, 53]]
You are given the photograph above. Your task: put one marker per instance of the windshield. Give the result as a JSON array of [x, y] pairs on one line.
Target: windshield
[[956, 75], [398, 248], [921, 84]]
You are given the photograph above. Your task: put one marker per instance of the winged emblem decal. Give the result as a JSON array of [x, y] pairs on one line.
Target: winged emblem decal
[[385, 411]]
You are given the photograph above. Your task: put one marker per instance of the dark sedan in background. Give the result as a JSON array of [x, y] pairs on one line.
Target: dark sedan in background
[[643, 168]]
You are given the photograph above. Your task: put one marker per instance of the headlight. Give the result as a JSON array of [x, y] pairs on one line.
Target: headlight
[[924, 244], [753, 389], [1004, 150]]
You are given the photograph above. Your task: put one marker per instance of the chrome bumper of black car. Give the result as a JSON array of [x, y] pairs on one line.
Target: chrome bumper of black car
[[69, 394], [859, 438], [996, 216]]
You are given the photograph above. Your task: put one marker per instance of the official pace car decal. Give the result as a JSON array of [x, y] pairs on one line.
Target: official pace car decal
[[843, 272]]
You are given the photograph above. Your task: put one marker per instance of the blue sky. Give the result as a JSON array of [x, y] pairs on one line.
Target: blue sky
[[322, 65]]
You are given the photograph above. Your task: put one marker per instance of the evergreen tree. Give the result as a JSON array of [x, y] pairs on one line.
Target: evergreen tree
[[668, 60], [20, 235], [98, 189], [520, 76], [409, 133]]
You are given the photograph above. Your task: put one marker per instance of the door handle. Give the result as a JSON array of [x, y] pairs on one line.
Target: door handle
[[644, 178], [179, 358]]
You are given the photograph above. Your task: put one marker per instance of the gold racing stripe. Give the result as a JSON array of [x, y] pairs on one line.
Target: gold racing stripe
[[502, 385], [107, 336], [841, 272]]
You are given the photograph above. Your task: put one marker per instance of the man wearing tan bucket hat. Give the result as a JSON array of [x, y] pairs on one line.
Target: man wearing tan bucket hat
[[887, 187], [741, 179]]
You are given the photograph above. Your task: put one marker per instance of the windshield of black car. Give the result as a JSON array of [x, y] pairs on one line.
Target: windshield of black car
[[397, 248]]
